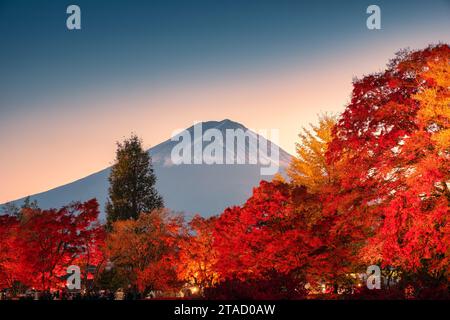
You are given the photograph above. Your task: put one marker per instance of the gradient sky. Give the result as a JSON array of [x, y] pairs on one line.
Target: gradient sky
[[152, 67]]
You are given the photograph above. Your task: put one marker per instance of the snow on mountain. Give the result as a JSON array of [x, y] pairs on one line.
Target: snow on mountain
[[206, 189]]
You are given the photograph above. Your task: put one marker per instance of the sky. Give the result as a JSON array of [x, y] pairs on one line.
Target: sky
[[152, 67]]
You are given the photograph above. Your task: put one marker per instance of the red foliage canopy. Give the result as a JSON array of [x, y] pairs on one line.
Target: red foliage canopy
[[37, 248], [391, 196]]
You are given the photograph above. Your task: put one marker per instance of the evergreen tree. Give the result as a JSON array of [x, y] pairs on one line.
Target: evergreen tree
[[28, 204], [132, 183], [12, 209]]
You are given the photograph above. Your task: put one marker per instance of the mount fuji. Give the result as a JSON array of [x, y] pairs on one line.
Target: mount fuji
[[206, 189]]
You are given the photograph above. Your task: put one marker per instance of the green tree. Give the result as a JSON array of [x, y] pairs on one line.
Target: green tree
[[132, 183]]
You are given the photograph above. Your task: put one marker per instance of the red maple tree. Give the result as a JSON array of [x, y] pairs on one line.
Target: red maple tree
[[391, 147]]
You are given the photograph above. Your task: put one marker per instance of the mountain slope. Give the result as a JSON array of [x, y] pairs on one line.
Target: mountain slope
[[191, 188]]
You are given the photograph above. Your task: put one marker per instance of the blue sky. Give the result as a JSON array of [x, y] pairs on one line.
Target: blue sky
[[131, 42]]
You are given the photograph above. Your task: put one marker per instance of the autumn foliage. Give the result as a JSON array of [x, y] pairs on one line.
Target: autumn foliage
[[378, 185], [198, 255], [391, 148], [370, 187], [37, 248], [145, 251]]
